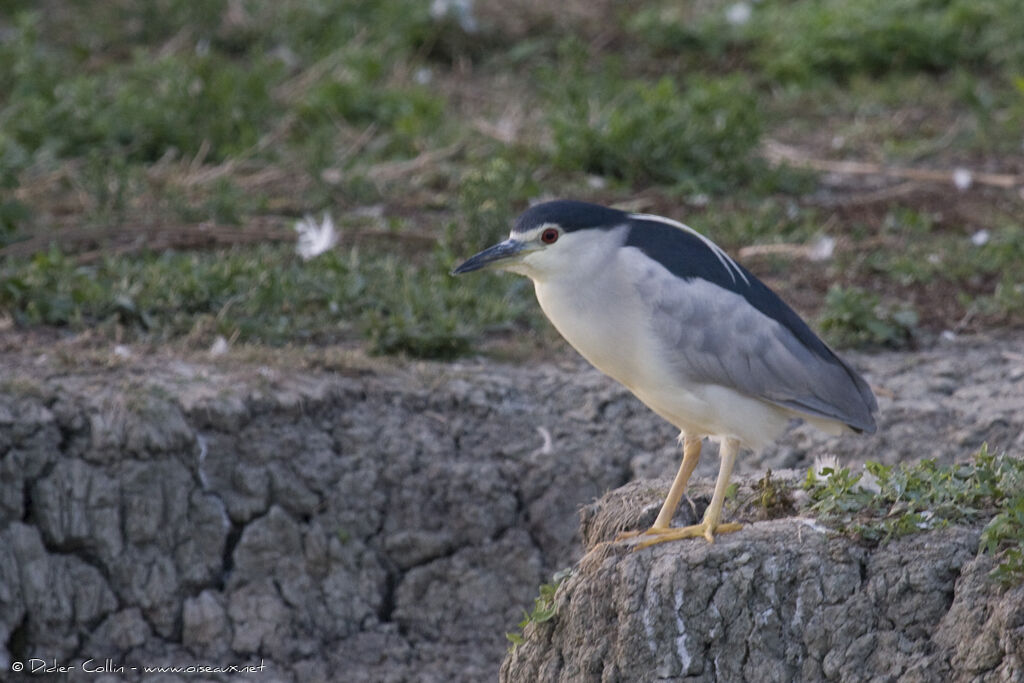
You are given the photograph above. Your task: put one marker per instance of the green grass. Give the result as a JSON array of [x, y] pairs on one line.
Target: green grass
[[699, 135], [854, 317], [543, 607], [267, 295], [833, 39], [136, 109], [132, 119], [828, 41], [906, 499]]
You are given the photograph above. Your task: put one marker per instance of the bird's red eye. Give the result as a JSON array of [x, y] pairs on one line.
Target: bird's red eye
[[549, 236]]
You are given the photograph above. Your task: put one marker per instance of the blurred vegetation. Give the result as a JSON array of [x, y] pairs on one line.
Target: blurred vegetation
[[854, 317], [154, 156], [701, 136]]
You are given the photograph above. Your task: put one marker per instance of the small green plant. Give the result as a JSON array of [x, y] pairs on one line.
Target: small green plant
[[838, 493], [1005, 534], [1010, 571], [543, 607], [773, 496], [48, 289], [905, 499], [854, 317]]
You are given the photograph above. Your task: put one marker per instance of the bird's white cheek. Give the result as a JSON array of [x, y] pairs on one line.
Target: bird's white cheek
[[519, 267], [526, 265], [542, 264]]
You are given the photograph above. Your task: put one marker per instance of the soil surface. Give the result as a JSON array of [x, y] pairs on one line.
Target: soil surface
[[372, 521]]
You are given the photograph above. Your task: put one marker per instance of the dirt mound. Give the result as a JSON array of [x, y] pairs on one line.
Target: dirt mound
[[780, 601]]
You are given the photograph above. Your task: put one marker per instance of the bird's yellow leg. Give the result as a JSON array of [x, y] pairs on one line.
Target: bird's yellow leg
[[691, 456], [712, 516]]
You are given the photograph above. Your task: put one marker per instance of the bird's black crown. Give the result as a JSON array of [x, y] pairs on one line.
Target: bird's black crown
[[569, 215]]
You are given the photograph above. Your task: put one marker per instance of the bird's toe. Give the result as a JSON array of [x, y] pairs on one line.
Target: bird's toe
[[656, 535]]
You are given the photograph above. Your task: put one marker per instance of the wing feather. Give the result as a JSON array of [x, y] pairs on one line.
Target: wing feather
[[713, 335]]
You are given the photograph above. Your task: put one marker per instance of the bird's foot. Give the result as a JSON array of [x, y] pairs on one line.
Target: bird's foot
[[656, 535]]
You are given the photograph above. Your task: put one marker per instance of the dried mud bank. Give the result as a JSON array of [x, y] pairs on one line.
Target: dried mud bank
[[380, 525], [780, 601]]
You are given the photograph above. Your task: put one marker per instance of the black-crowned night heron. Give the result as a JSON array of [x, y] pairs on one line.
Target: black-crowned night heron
[[700, 340]]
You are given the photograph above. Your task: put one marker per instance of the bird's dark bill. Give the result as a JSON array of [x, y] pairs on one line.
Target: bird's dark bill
[[498, 252]]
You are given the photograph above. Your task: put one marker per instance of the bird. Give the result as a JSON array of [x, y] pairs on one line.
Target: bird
[[701, 341]]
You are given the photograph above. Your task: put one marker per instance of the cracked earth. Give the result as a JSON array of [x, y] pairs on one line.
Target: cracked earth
[[364, 524]]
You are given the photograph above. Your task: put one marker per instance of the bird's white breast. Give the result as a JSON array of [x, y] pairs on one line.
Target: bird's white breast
[[602, 321], [602, 315]]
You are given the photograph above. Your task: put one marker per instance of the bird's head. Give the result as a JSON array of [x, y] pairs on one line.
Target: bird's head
[[553, 238]]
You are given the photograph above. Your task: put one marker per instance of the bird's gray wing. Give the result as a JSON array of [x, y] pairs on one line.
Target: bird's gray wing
[[714, 335]]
